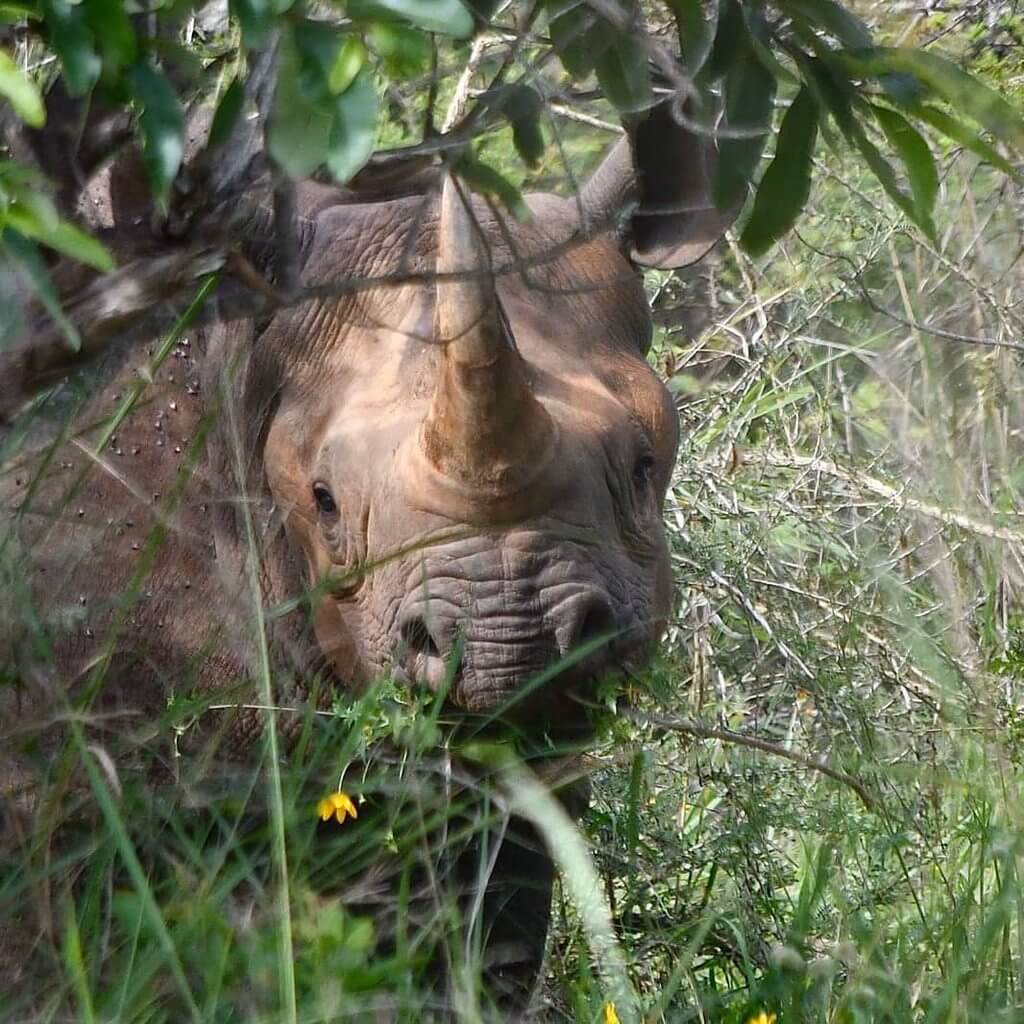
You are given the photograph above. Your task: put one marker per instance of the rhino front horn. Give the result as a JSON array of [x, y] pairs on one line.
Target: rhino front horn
[[485, 429]]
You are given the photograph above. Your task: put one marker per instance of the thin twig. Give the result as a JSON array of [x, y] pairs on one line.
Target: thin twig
[[707, 732], [895, 495]]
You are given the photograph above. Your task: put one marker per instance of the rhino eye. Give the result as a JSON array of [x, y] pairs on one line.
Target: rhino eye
[[324, 500], [643, 471]]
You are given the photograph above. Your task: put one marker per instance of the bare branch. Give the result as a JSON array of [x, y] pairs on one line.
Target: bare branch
[[896, 495], [707, 732]]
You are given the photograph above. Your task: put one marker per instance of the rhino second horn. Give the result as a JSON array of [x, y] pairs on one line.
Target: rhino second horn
[[485, 428]]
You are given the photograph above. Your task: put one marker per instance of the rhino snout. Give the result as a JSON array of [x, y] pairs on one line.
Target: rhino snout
[[491, 659]]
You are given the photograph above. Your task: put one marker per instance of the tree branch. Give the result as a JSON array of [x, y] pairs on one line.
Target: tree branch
[[706, 732]]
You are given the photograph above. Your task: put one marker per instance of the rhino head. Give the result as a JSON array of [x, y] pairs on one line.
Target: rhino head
[[465, 445]]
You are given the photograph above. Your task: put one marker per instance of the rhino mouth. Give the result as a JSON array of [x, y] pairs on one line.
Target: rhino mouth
[[531, 688], [522, 626]]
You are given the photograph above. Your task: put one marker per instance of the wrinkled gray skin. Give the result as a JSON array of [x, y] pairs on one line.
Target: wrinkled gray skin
[[483, 459]]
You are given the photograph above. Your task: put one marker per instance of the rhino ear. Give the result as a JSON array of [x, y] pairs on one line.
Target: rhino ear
[[662, 172]]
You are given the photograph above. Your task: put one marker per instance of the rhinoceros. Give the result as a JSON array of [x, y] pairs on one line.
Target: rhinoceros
[[450, 466]]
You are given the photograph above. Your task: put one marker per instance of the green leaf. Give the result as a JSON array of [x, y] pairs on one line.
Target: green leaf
[[20, 91], [448, 17], [483, 9], [729, 35], [34, 216], [12, 11], [623, 75], [964, 135], [35, 205], [161, 123], [760, 37], [522, 105], [354, 131], [917, 159], [72, 42], [74, 242], [786, 184], [347, 64], [489, 182], [695, 37], [403, 51], [298, 136], [886, 175], [835, 19], [836, 92], [255, 17], [316, 47], [113, 31], [964, 93], [186, 63], [23, 254], [578, 36], [13, 175], [749, 95], [228, 110]]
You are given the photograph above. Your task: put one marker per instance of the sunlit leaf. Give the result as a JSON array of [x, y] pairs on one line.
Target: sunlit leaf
[[786, 184], [317, 48], [403, 51], [20, 91], [23, 255], [161, 124], [347, 64], [15, 10], [35, 205], [449, 17], [354, 131], [35, 217]]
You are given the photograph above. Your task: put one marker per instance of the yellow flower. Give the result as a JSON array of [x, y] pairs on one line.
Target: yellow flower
[[338, 804], [610, 1016], [762, 1018]]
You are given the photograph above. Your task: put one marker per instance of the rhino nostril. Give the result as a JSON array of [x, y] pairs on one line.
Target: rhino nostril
[[425, 653], [418, 639], [594, 622]]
